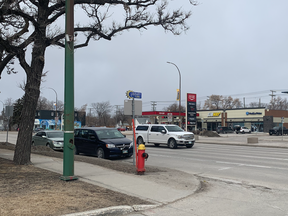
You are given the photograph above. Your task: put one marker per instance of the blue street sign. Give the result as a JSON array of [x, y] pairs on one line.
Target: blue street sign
[[135, 95]]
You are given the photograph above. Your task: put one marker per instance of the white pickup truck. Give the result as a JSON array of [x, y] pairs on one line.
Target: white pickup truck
[[170, 135]]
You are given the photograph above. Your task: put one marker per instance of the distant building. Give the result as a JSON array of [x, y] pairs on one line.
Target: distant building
[[47, 119]]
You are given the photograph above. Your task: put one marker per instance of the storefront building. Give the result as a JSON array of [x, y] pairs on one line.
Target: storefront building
[[257, 119], [50, 120], [250, 118]]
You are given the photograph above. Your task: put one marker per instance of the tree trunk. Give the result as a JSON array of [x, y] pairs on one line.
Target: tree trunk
[[32, 91], [23, 145]]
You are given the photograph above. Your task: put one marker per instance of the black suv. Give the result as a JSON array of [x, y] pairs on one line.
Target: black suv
[[102, 142], [224, 130]]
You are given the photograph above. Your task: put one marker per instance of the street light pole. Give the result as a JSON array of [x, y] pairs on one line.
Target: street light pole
[[179, 92], [56, 115]]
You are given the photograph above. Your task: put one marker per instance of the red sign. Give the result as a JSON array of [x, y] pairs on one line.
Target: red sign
[[162, 113], [191, 97]]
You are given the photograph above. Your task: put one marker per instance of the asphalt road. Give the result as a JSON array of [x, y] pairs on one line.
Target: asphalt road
[[252, 165], [267, 167]]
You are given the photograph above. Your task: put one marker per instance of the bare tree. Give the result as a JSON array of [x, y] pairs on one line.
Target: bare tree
[[257, 104], [82, 109], [230, 103], [30, 23], [119, 116], [43, 104], [103, 110], [213, 102], [174, 108], [220, 102], [278, 104], [9, 102]]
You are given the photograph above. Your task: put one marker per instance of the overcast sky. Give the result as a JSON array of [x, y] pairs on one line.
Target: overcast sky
[[232, 48]]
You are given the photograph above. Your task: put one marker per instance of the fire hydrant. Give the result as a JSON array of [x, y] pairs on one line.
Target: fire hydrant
[[141, 159]]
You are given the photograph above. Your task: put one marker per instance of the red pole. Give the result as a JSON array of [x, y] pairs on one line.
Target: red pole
[[135, 143]]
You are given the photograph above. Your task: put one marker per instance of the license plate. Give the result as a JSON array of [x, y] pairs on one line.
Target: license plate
[[125, 151]]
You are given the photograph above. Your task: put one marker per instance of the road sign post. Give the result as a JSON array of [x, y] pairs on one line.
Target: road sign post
[[132, 95]]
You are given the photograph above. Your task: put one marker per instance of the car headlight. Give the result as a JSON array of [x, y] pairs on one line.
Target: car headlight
[[110, 146], [180, 137], [57, 143], [131, 145]]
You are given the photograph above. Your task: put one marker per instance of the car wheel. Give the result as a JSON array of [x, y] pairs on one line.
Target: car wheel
[[236, 132], [156, 144], [270, 133], [243, 132], [189, 146], [172, 144], [140, 140], [48, 145], [100, 153], [76, 152]]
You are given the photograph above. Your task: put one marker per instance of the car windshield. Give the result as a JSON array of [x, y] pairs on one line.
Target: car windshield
[[59, 134], [276, 128], [109, 134], [173, 128]]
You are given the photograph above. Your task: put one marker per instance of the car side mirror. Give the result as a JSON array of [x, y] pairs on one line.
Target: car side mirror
[[92, 137], [44, 136], [163, 131]]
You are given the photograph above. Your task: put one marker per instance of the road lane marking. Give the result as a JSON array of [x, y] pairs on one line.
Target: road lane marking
[[251, 165], [224, 168]]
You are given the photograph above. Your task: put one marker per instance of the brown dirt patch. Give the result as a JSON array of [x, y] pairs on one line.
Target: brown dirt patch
[[28, 190]]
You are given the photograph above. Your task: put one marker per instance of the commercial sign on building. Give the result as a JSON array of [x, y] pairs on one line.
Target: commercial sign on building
[[216, 114], [191, 109], [253, 113]]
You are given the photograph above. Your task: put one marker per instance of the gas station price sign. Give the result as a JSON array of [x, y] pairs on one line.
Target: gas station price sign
[[191, 109]]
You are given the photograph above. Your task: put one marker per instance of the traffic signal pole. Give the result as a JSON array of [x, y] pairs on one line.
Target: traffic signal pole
[[68, 152]]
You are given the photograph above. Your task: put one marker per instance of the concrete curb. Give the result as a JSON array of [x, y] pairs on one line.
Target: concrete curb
[[116, 210]]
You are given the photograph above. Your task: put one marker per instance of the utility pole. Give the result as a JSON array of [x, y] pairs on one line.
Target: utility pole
[[153, 104], [272, 99]]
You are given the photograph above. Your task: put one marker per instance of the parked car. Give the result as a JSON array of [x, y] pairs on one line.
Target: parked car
[[52, 139], [37, 129], [278, 131], [243, 130], [121, 129], [102, 142], [224, 130]]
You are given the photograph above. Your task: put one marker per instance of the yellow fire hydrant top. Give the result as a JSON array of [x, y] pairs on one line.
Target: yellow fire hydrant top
[[141, 147]]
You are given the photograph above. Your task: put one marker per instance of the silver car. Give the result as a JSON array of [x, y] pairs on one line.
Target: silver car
[[53, 139]]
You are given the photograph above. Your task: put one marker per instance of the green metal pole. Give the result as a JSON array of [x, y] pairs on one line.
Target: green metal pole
[[68, 155]]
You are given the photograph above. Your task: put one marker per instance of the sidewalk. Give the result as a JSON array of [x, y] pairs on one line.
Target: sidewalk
[[140, 186]]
